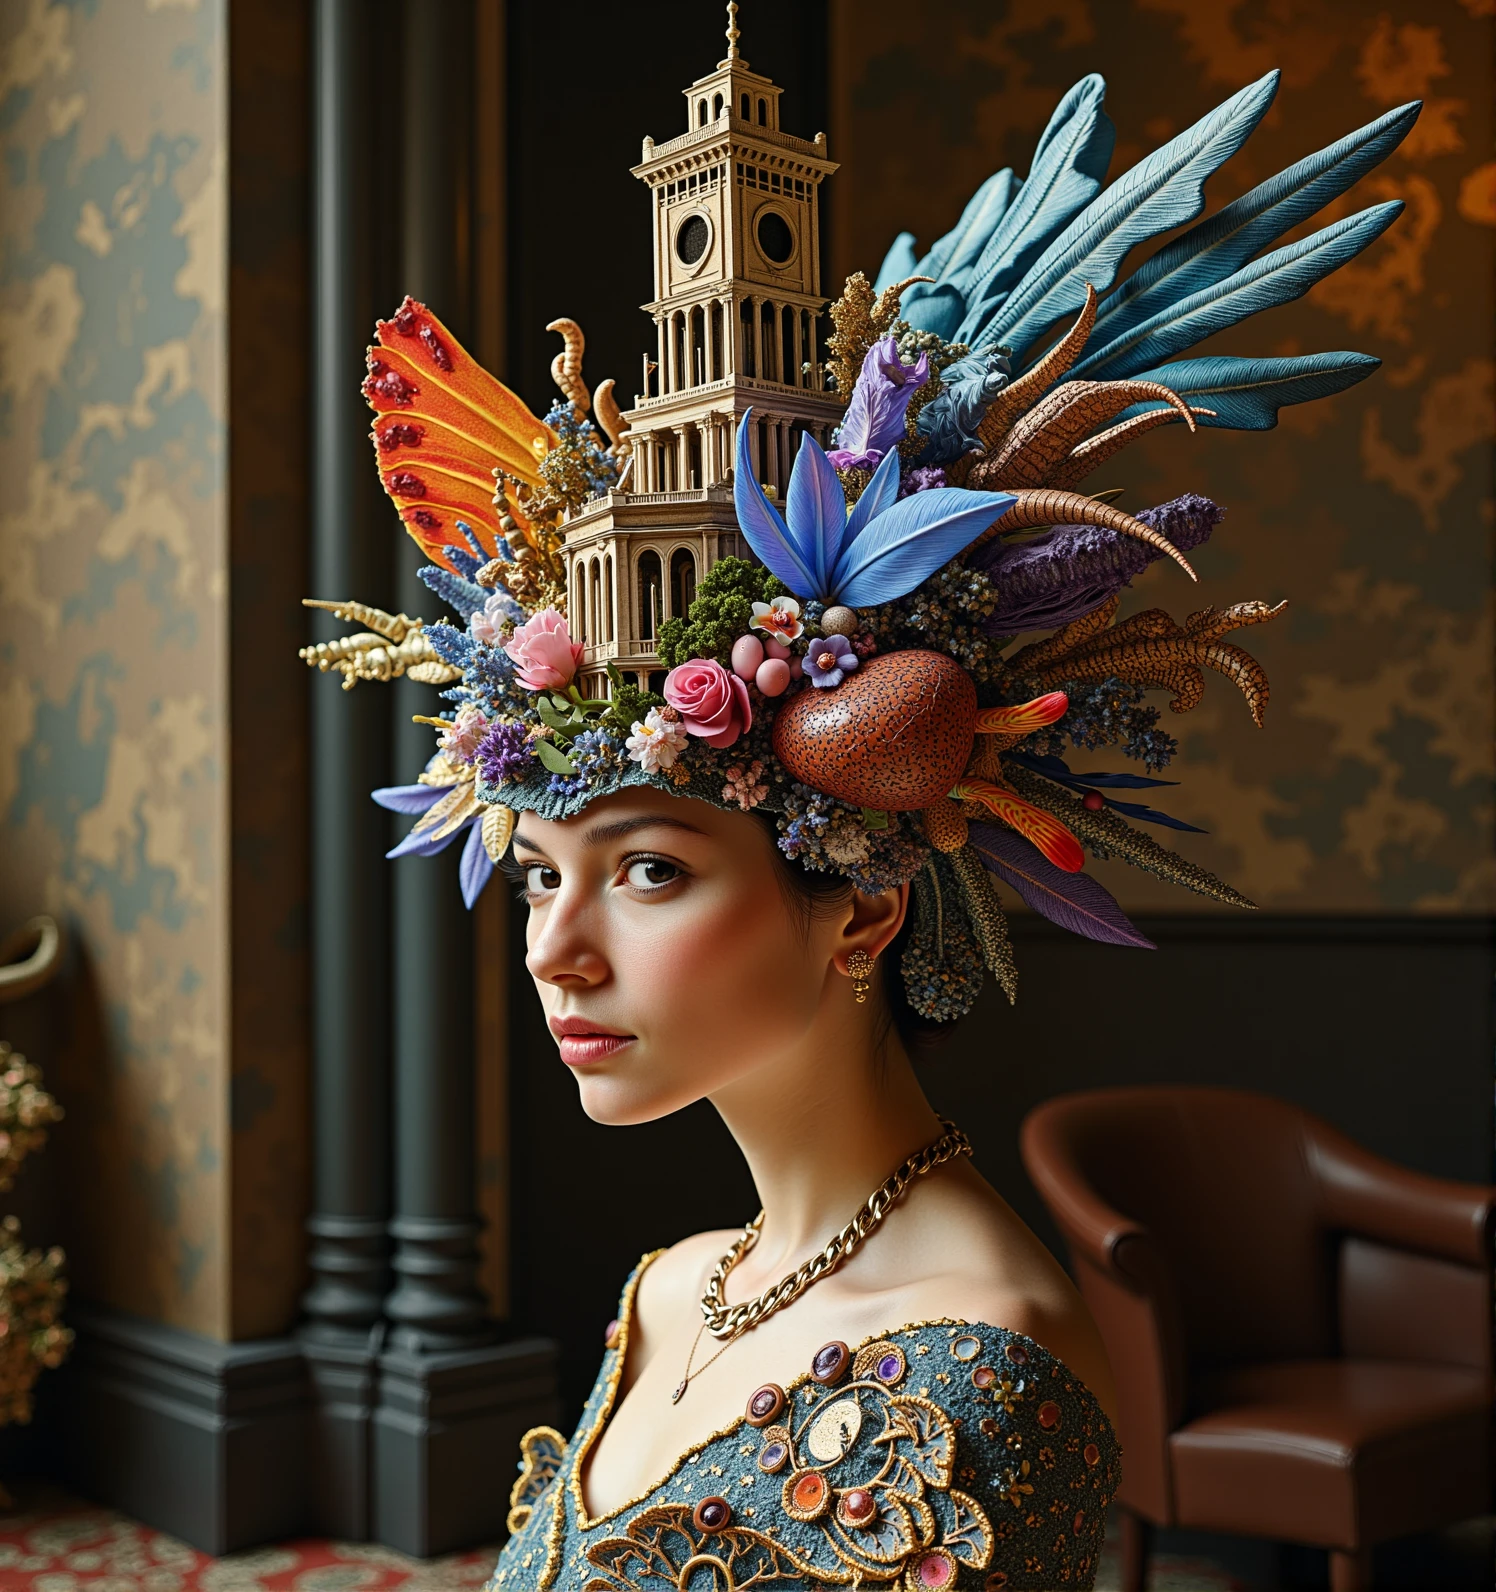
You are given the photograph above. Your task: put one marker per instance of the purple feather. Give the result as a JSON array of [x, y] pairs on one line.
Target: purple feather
[[1062, 575], [1073, 900], [409, 798], [475, 869], [874, 419]]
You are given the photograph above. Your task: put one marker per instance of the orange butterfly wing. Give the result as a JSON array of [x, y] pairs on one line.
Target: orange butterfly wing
[[442, 426]]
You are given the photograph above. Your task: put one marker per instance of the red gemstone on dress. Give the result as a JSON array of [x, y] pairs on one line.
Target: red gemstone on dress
[[1092, 1454], [983, 1376], [808, 1492], [1049, 1415], [1017, 1353], [936, 1571], [858, 1506], [765, 1404], [1079, 1521], [711, 1514]]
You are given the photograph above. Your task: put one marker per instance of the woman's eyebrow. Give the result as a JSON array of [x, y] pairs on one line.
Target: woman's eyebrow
[[601, 834]]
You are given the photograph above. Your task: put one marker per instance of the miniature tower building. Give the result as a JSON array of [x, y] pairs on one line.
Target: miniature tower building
[[737, 305]]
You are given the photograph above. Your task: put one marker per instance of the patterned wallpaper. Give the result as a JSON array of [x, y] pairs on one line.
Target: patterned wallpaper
[[1369, 790], [113, 687]]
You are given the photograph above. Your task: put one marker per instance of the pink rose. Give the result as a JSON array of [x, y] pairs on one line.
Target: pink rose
[[712, 703], [546, 656]]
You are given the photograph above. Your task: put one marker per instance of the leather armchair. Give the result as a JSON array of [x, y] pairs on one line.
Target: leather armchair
[[1301, 1332]]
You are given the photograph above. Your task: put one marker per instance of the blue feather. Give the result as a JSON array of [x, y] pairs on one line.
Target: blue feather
[[898, 263], [1217, 246], [1276, 278], [761, 524], [1151, 815], [1159, 193], [815, 510], [1246, 394], [908, 542], [1068, 170], [466, 597], [408, 798]]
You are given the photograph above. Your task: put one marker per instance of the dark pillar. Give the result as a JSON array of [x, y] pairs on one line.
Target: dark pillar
[[350, 749], [436, 1303]]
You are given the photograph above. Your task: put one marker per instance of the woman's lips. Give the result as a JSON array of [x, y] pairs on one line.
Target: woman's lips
[[583, 1043], [583, 1050]]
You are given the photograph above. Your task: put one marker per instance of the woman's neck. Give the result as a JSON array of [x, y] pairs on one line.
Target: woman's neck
[[820, 1132]]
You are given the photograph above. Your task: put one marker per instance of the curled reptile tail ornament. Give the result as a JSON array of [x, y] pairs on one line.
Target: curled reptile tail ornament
[[566, 367], [1049, 507]]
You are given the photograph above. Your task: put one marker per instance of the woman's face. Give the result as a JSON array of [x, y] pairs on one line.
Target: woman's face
[[667, 957]]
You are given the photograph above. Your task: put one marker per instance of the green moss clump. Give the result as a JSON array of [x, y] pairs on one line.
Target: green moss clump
[[628, 706], [720, 613]]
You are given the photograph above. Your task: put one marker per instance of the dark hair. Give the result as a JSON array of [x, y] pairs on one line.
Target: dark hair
[[810, 893]]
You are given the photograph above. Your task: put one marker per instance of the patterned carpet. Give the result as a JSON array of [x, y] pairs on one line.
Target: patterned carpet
[[52, 1543]]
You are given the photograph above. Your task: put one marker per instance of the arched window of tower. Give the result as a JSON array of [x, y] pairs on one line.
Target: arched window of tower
[[682, 580], [651, 594], [748, 356], [701, 114], [746, 114], [595, 606], [715, 342], [678, 326], [763, 113], [610, 632], [716, 106]]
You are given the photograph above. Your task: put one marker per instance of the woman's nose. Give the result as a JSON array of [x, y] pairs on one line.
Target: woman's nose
[[564, 952]]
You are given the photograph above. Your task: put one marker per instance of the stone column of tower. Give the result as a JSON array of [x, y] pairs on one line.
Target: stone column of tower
[[737, 308]]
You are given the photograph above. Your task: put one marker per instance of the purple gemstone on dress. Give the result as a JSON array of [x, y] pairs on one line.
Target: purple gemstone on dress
[[889, 1368], [763, 1402], [828, 1360], [773, 1456]]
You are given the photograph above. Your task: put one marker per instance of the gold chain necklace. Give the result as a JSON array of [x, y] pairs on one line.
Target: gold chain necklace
[[729, 1322]]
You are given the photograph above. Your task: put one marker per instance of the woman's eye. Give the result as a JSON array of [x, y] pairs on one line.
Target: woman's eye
[[649, 873], [540, 880]]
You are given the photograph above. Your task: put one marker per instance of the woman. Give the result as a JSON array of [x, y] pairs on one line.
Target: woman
[[764, 882]]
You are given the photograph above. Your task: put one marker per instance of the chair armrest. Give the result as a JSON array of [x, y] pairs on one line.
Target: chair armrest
[[1408, 1210]]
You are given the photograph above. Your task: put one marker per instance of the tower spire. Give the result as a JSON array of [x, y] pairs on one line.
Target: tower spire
[[733, 35]]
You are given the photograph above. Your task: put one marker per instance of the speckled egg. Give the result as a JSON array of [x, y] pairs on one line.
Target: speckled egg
[[895, 735]]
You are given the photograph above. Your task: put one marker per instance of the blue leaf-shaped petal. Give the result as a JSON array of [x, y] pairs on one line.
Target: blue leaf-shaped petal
[[816, 509], [882, 492], [761, 525], [1276, 278], [475, 869], [901, 546], [1057, 769], [1246, 394], [1151, 815], [1212, 250], [409, 798], [417, 844], [1073, 900], [898, 263], [1068, 170], [1159, 193], [952, 256]]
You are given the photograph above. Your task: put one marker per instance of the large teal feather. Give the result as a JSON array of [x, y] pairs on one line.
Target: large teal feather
[[1276, 278], [898, 263], [1162, 192], [1068, 169], [939, 305], [1217, 246], [1246, 394]]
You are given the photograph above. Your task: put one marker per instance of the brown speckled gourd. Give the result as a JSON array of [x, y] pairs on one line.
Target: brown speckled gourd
[[894, 736]]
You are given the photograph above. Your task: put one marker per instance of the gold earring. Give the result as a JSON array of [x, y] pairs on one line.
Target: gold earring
[[859, 965]]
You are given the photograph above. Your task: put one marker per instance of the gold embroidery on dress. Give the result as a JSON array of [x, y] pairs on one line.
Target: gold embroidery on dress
[[663, 1547], [542, 1452]]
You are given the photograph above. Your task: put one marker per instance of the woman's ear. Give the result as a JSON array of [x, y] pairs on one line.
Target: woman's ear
[[872, 925]]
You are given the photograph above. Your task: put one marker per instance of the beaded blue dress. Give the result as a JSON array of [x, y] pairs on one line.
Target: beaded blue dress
[[939, 1457]]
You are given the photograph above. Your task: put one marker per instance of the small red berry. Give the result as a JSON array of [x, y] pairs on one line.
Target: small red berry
[[1093, 801]]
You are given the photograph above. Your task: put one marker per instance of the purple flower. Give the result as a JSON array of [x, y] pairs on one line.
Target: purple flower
[[874, 421], [923, 478], [504, 751], [830, 660]]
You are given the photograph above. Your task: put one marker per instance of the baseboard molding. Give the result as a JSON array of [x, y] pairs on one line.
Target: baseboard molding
[[231, 1445]]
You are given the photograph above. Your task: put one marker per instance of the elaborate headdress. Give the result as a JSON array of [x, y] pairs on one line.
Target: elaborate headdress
[[856, 677]]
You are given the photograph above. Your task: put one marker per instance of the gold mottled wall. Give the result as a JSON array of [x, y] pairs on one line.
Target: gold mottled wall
[[1369, 790], [139, 584]]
